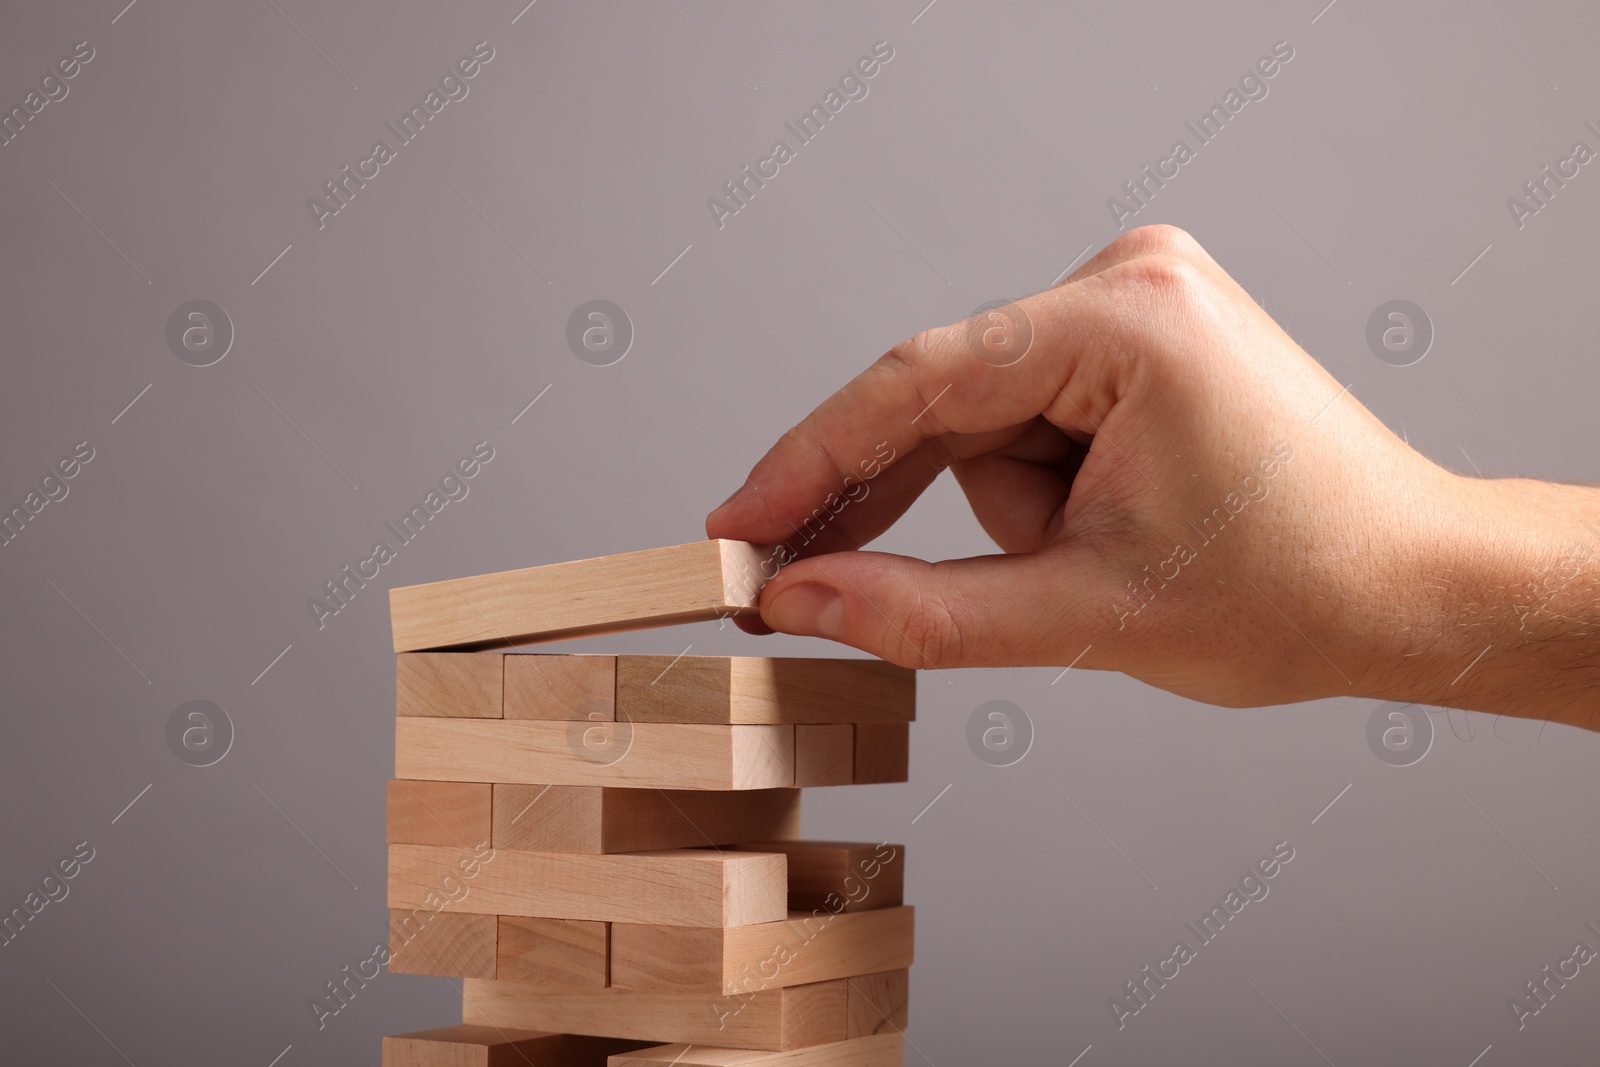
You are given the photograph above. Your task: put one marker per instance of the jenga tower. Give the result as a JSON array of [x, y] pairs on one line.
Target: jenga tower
[[606, 849]]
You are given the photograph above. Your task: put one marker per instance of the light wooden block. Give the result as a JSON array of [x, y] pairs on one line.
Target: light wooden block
[[878, 1003], [442, 813], [824, 754], [561, 687], [493, 1046], [883, 752], [672, 887], [580, 818], [635, 755], [760, 689], [609, 594], [837, 876], [883, 1050], [560, 952], [447, 943], [449, 684], [774, 1019], [801, 949]]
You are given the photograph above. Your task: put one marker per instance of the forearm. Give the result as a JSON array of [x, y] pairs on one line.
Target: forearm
[[1504, 613]]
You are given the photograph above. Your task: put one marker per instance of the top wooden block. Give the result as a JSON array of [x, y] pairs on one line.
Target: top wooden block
[[608, 594]]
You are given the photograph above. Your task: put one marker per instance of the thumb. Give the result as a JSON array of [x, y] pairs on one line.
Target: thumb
[[984, 611]]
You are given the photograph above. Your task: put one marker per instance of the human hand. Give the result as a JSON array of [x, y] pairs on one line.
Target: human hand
[[1180, 491]]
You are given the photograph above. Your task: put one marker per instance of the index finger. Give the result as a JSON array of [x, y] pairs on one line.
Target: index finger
[[1046, 354]]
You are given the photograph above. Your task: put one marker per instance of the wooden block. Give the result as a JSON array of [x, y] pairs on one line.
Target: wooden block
[[824, 754], [883, 752], [836, 876], [760, 689], [636, 755], [877, 1003], [582, 818], [671, 887], [449, 684], [564, 952], [447, 943], [493, 1046], [609, 594], [801, 949], [442, 813], [774, 1019], [883, 1050], [561, 687]]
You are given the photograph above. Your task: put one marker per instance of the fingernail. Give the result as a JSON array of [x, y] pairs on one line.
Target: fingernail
[[810, 610], [728, 501]]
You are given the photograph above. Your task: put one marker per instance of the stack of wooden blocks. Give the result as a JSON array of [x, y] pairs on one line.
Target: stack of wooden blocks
[[605, 849]]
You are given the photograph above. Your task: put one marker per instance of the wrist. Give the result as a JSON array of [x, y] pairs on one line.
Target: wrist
[[1497, 604]]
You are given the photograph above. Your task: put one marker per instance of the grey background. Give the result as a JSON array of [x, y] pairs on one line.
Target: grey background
[[375, 351]]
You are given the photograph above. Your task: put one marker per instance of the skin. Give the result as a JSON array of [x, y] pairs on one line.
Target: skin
[[1155, 394]]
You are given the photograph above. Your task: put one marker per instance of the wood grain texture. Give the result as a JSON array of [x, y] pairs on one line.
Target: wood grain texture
[[878, 1003], [561, 687], [573, 818], [609, 594], [441, 813], [883, 752], [761, 689], [824, 754], [840, 876], [883, 1050], [634, 755], [458, 945], [559, 952], [449, 684], [672, 887], [489, 1046], [773, 1019], [801, 949]]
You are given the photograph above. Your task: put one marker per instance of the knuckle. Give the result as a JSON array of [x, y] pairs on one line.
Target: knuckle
[[913, 355], [1161, 282], [1155, 239], [911, 361]]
